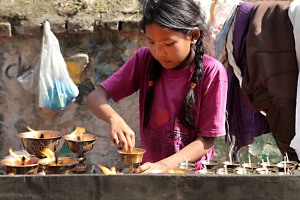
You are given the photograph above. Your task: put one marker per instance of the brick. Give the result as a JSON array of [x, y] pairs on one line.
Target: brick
[[5, 29], [27, 28]]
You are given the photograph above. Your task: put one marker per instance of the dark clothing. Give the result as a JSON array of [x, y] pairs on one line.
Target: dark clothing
[[244, 123], [270, 82]]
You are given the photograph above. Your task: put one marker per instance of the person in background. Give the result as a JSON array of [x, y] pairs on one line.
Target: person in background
[[182, 91]]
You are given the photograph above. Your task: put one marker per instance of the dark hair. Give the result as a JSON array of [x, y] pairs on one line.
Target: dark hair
[[181, 16]]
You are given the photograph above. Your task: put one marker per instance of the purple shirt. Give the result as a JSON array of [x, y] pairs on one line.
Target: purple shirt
[[166, 134]]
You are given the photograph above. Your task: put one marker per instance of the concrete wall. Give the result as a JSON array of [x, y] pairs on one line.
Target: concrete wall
[[94, 43], [149, 187]]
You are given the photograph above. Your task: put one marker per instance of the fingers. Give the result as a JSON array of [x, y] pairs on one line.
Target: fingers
[[130, 137], [143, 167], [126, 140]]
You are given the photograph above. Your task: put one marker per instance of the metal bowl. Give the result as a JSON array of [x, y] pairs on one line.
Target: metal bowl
[[12, 166], [136, 156], [231, 164], [187, 165], [269, 165], [242, 171], [63, 165], [80, 146], [33, 145], [251, 166], [210, 164], [285, 165], [265, 171], [225, 171]]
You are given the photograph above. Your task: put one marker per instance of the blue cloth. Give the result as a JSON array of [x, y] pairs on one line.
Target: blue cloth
[[221, 37]]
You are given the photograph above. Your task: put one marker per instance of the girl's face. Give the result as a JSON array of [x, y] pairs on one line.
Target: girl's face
[[169, 48]]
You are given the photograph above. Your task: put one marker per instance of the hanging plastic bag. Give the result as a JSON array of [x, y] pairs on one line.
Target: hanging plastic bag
[[30, 79], [56, 88]]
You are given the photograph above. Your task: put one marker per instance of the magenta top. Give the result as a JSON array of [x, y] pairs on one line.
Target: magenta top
[[165, 134]]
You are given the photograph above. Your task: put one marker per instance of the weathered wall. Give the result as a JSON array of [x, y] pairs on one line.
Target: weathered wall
[[106, 33]]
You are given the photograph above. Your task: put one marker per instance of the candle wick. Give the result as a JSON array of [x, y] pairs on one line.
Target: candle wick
[[56, 160], [78, 138], [42, 135], [23, 160]]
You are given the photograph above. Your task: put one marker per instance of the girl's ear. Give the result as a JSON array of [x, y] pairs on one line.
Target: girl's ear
[[194, 35]]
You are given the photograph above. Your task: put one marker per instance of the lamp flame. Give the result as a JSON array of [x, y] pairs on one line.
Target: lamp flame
[[22, 159], [35, 134], [76, 135], [111, 171], [174, 171], [48, 153]]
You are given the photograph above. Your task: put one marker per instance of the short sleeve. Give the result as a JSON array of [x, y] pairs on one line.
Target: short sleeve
[[126, 80]]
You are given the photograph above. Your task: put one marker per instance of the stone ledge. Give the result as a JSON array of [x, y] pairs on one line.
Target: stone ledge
[[149, 187]]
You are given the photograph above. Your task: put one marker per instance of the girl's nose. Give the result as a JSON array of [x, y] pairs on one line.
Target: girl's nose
[[159, 51]]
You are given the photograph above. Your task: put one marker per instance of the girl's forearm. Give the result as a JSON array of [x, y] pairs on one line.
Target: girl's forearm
[[193, 152], [97, 101]]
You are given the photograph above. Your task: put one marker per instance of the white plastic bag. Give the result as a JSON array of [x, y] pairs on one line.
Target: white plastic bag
[[56, 88]]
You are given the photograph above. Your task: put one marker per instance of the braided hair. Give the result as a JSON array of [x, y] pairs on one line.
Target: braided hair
[[181, 16]]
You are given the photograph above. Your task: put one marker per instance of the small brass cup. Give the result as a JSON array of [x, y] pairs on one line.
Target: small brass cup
[[210, 165], [231, 164], [136, 156], [251, 166]]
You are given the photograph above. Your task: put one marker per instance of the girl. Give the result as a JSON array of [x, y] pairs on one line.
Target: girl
[[182, 91]]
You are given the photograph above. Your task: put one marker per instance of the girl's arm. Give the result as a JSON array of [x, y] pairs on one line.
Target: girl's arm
[[193, 152], [120, 132]]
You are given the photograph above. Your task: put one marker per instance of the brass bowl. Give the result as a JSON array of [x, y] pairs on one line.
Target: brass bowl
[[265, 171], [242, 171], [231, 164], [34, 145], [80, 146], [63, 165], [187, 165], [269, 165], [136, 156], [12, 166], [210, 164], [288, 166], [225, 171], [251, 166]]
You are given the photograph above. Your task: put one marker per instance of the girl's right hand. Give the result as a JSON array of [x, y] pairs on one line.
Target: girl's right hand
[[121, 133]]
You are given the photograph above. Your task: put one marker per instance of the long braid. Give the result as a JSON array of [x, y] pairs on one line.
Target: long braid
[[188, 105], [153, 76]]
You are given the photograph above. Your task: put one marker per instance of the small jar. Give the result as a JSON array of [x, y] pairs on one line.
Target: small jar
[[187, 165]]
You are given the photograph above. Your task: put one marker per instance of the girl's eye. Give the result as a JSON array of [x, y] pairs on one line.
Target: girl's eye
[[170, 44], [150, 42]]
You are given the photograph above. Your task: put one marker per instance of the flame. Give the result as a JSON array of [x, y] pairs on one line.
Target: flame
[[22, 159], [172, 171], [35, 133], [48, 153], [111, 171], [77, 133]]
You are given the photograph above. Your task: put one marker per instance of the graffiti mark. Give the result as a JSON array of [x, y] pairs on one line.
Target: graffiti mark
[[20, 69]]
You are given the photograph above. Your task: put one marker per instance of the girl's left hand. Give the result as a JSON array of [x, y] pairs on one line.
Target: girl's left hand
[[153, 168]]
